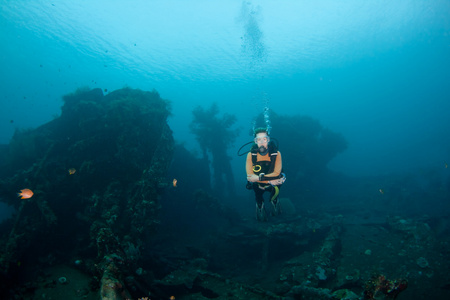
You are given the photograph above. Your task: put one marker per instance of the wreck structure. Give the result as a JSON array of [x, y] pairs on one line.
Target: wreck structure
[[97, 172], [96, 177]]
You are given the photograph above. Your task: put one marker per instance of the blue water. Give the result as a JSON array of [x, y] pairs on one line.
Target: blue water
[[377, 72]]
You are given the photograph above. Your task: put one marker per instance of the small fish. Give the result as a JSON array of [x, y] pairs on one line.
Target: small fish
[[172, 298], [174, 182], [72, 171], [445, 165], [25, 194], [381, 191]]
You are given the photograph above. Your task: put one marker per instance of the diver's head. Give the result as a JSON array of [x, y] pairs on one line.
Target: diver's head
[[262, 140]]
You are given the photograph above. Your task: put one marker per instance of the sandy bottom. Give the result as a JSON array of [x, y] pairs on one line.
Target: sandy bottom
[[76, 286]]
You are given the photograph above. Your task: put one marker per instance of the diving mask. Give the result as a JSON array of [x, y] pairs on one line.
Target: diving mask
[[261, 139]]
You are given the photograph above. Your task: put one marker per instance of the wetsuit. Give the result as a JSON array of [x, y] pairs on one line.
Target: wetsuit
[[270, 165]]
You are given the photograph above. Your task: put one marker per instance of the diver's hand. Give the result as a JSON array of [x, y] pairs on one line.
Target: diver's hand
[[278, 181], [252, 178]]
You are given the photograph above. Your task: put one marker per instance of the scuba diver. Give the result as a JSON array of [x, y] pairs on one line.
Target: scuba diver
[[264, 172]]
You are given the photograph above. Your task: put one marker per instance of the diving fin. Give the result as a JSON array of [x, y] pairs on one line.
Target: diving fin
[[276, 207], [261, 214]]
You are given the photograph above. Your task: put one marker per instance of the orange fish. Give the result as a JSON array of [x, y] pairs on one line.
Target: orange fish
[[25, 194], [172, 298], [174, 185], [72, 171], [381, 191]]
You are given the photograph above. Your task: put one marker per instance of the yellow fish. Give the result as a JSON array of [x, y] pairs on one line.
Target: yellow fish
[[174, 182], [72, 171]]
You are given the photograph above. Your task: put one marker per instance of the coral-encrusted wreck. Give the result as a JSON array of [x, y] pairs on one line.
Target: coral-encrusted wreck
[[96, 173]]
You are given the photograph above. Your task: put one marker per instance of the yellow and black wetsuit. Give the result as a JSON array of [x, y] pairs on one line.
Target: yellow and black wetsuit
[[270, 166]]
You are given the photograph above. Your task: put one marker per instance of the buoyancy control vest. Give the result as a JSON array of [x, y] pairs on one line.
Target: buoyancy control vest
[[265, 166]]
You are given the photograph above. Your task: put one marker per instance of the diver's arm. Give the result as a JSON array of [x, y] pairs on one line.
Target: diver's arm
[[252, 177], [249, 165]]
